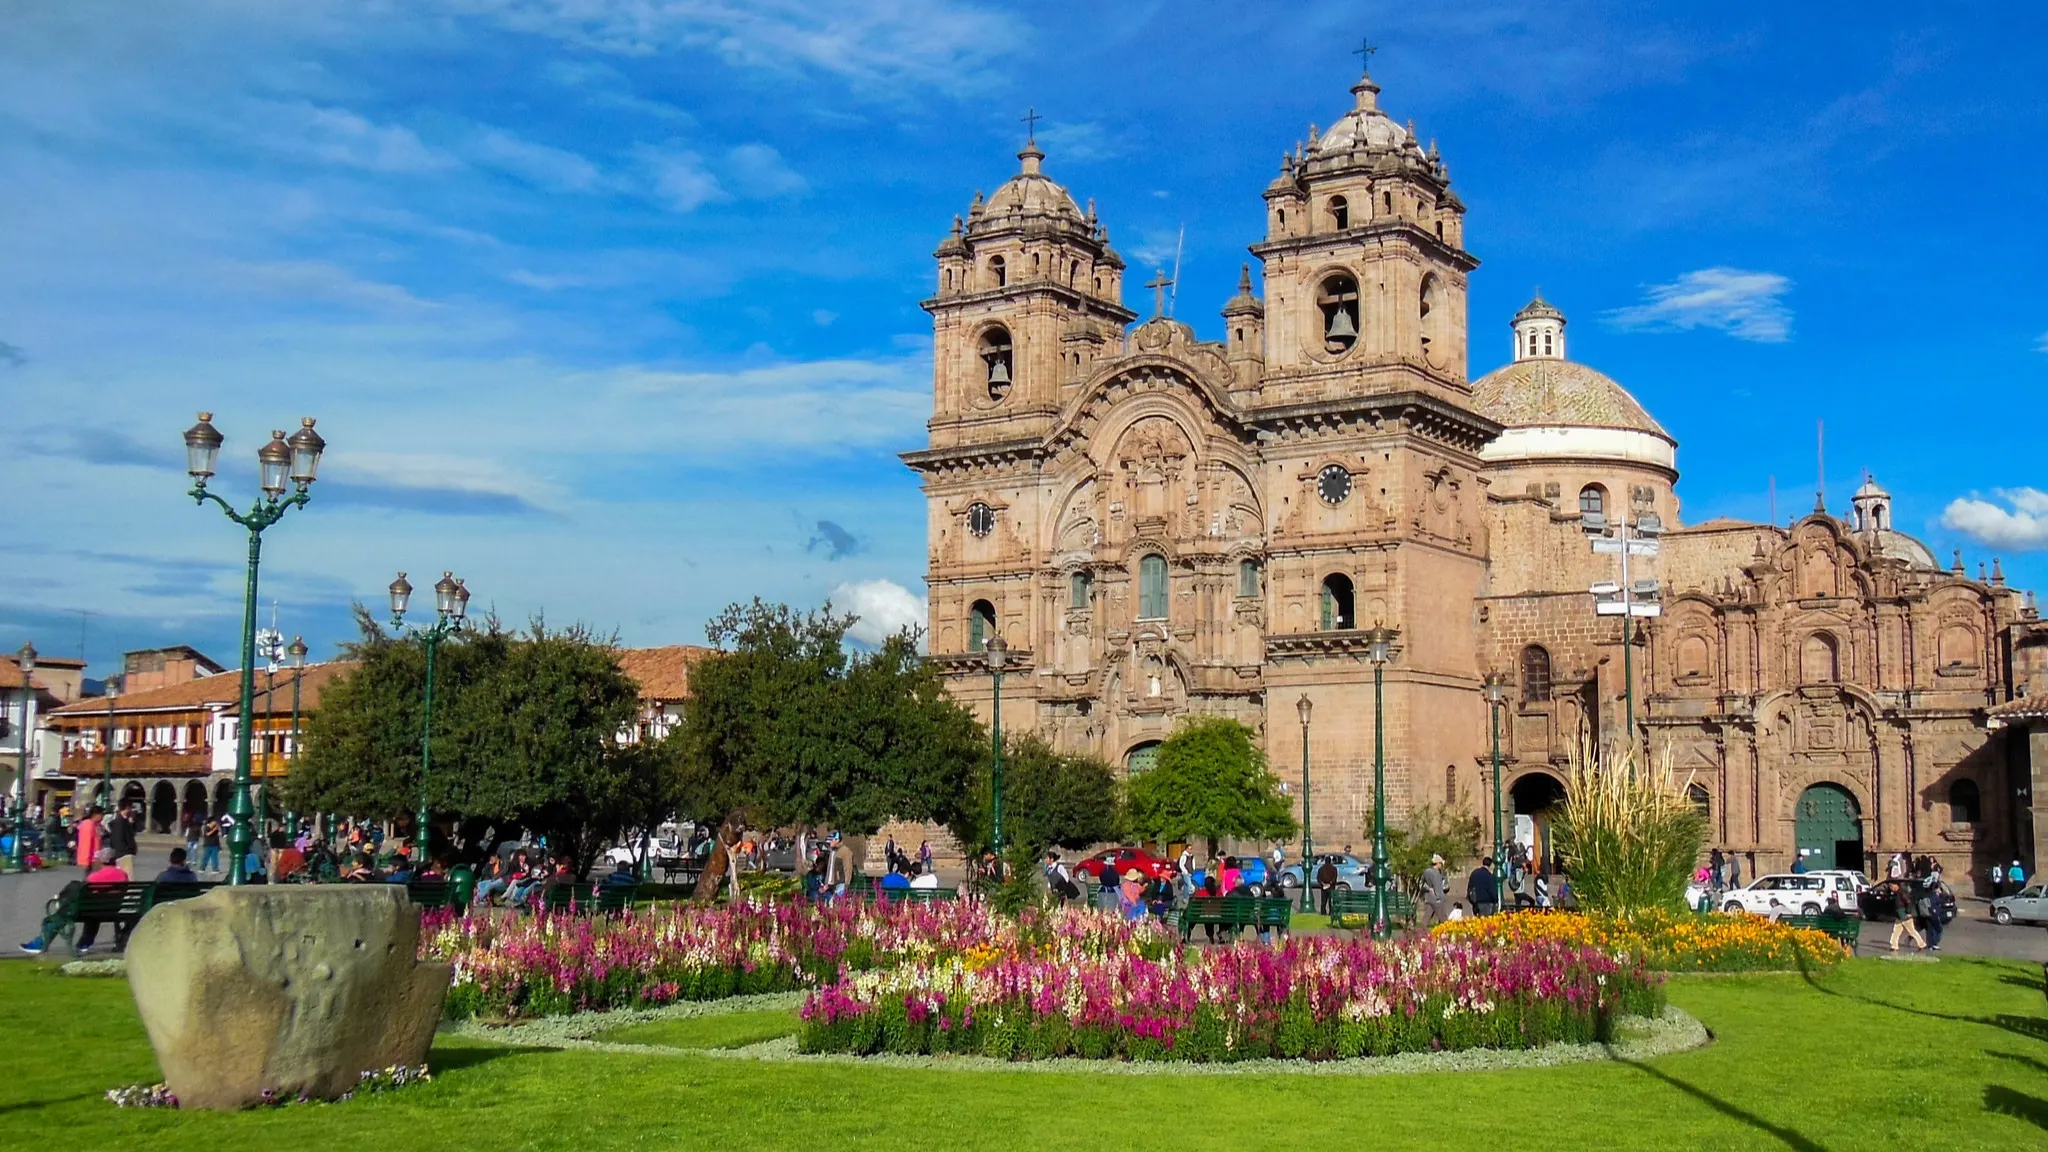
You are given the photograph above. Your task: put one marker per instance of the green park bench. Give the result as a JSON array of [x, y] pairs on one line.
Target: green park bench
[[1233, 913], [1354, 909], [120, 904], [428, 893], [1845, 929]]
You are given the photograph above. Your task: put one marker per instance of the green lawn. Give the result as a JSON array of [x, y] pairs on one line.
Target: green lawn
[[732, 1030], [1876, 1055]]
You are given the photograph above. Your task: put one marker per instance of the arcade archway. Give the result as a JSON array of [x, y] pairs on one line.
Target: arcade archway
[[1534, 796], [163, 806]]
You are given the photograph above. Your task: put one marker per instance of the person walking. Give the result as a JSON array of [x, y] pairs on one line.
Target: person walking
[[1927, 913], [2015, 876], [1436, 892], [120, 836], [1326, 881], [87, 839], [209, 850], [1483, 889], [1997, 881], [1903, 911], [1717, 868], [1734, 870]]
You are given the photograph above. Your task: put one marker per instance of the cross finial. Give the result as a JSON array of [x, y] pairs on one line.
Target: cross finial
[[1031, 119], [1159, 283], [1364, 53]]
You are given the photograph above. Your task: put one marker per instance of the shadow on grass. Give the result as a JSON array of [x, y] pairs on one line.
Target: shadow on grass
[[2031, 1027], [36, 1105], [2029, 1061], [2017, 981], [474, 1056], [1733, 1111], [2019, 1105]]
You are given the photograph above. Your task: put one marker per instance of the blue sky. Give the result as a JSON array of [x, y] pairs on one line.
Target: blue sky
[[611, 305]]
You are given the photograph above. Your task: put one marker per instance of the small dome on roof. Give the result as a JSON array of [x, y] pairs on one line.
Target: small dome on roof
[[1031, 193], [1559, 393], [1366, 126], [1899, 546], [1538, 309]]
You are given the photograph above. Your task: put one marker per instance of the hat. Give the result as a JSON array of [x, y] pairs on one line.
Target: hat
[[1436, 858], [1134, 874]]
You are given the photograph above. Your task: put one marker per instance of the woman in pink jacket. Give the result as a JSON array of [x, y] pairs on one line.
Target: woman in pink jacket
[[88, 838]]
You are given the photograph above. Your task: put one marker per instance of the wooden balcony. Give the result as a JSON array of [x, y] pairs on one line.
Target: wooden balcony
[[134, 762]]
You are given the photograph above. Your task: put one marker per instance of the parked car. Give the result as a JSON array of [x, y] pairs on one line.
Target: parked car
[[2029, 904], [1353, 874], [1796, 894], [1118, 861]]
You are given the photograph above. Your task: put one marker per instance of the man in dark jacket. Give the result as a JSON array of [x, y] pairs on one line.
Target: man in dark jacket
[[1483, 890], [121, 838], [1326, 881], [178, 872]]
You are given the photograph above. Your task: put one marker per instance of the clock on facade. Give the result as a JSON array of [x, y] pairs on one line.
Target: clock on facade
[[1334, 483], [981, 519]]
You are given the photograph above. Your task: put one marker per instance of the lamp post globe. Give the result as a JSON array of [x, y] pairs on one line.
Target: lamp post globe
[[1302, 708], [1379, 648], [280, 464]]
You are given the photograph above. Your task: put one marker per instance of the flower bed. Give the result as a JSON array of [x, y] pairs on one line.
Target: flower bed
[[1311, 998], [549, 965], [1672, 942]]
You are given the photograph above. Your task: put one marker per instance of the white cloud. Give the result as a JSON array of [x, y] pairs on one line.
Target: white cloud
[[320, 280], [537, 164], [1745, 305], [437, 471], [2021, 526], [339, 136], [1081, 142], [682, 181], [759, 170], [884, 607], [879, 46], [2041, 345]]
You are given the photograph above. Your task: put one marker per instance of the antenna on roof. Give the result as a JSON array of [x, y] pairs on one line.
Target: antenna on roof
[[1820, 455], [1178, 243]]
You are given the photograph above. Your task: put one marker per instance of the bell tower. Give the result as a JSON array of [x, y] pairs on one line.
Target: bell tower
[[1365, 267], [1029, 297]]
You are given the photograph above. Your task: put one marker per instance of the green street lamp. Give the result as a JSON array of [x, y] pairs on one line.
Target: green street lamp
[[281, 463], [297, 652], [451, 608], [26, 658], [1379, 648], [1496, 695], [998, 654], [1308, 843]]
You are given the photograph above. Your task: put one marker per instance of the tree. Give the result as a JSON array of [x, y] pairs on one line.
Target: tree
[[1050, 799], [1449, 831], [1210, 782], [786, 728]]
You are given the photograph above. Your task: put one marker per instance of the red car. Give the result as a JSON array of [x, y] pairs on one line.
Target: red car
[[1118, 861]]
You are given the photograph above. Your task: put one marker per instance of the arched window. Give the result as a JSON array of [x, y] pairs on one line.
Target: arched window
[[1083, 589], [1546, 343], [1965, 805], [1697, 793], [1340, 213], [1098, 283], [1593, 503], [996, 361], [1532, 342], [1283, 219], [1424, 306], [1439, 229], [1337, 604], [1879, 513], [1338, 301], [1819, 660], [1535, 675], [1387, 202], [1247, 577], [1152, 587], [998, 271], [981, 625]]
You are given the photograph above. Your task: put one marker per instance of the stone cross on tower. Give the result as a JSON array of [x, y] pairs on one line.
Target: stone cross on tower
[[1159, 283], [1030, 120], [1364, 53]]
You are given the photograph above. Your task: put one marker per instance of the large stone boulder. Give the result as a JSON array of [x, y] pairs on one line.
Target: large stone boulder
[[296, 990]]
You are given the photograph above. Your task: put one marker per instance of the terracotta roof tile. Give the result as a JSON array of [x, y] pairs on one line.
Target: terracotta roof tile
[[220, 688], [10, 674], [2024, 708], [662, 673]]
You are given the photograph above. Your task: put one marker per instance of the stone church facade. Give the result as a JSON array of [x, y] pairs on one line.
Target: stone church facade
[[1161, 526]]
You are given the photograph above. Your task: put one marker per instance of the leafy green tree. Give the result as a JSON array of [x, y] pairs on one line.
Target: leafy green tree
[[1210, 783], [1447, 830], [1050, 798]]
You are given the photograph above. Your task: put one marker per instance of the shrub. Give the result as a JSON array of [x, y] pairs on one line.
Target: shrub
[[1629, 832]]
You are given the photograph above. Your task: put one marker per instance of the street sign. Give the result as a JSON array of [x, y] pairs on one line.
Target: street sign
[[1634, 608], [1634, 546]]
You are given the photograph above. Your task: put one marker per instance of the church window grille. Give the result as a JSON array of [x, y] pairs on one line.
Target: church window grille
[[1387, 202], [1424, 306], [1535, 675], [998, 271], [1337, 603], [1082, 589], [981, 625], [1152, 587], [1819, 660], [1965, 804], [1248, 578], [1450, 783], [1593, 501], [1340, 213], [997, 361], [1338, 302]]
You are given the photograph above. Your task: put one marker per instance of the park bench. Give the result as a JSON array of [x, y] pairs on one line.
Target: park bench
[[1845, 930], [120, 904], [171, 891], [914, 895], [1347, 906], [1232, 913], [428, 893]]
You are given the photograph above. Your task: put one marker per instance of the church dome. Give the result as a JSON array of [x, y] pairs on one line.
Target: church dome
[[1900, 546], [1556, 392], [1367, 126], [1031, 193]]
